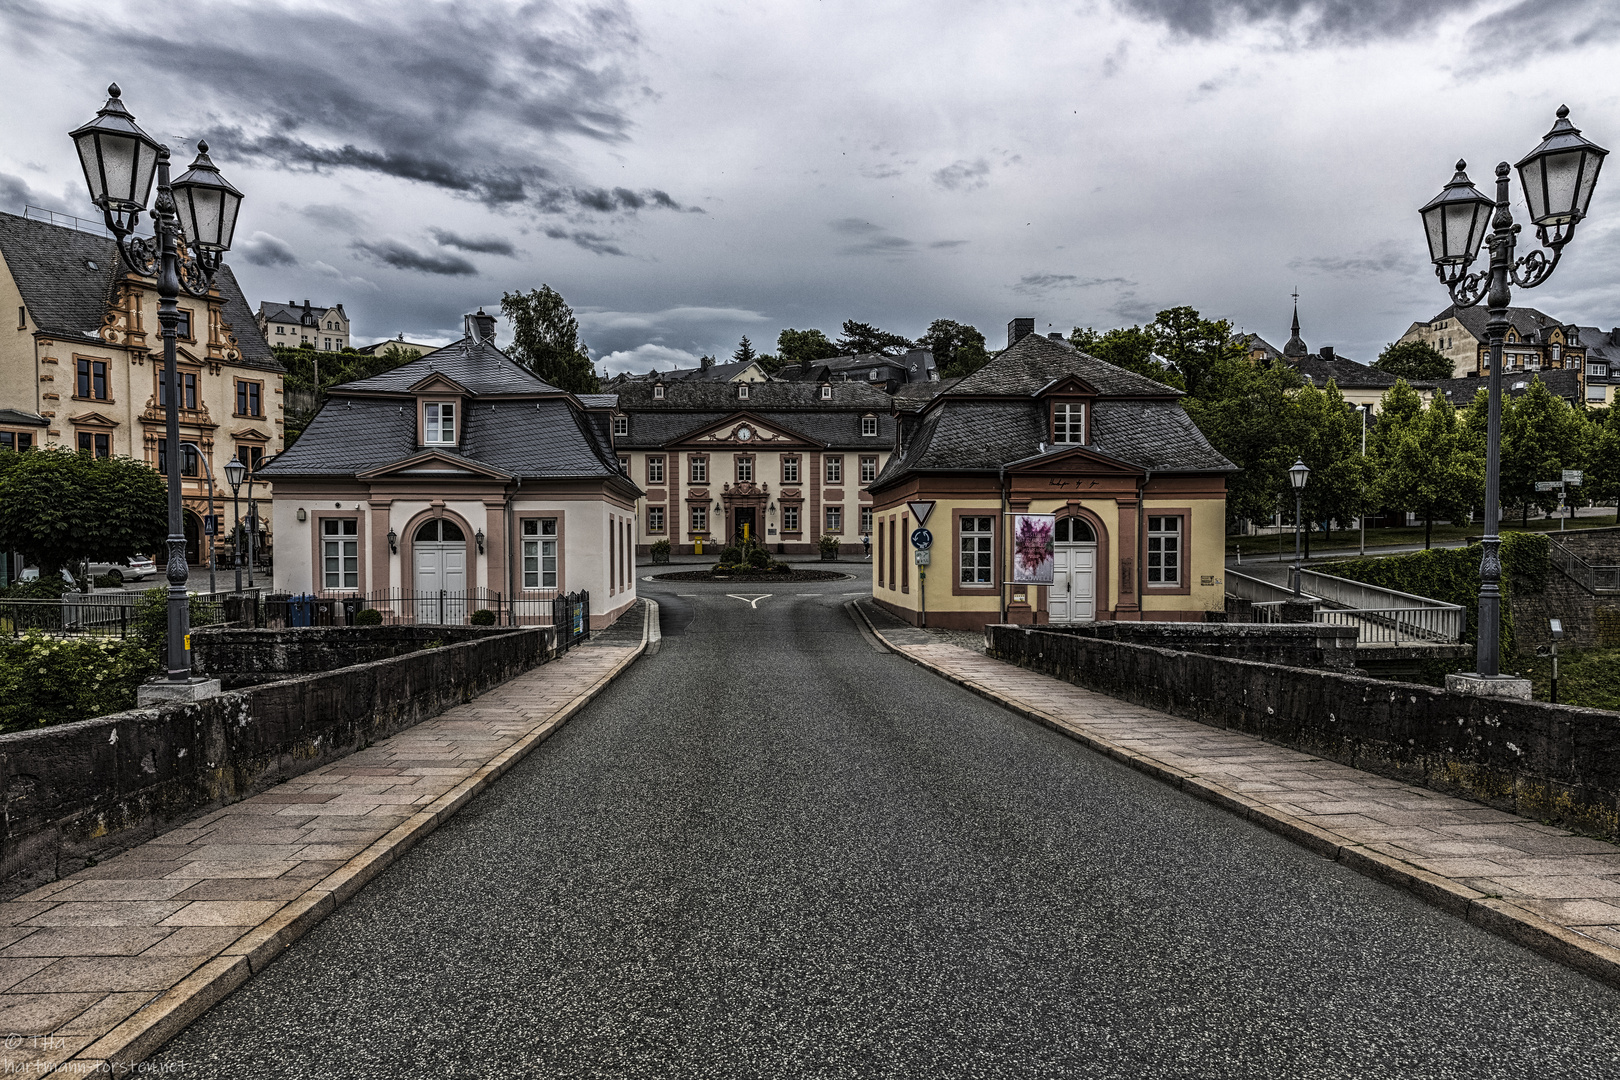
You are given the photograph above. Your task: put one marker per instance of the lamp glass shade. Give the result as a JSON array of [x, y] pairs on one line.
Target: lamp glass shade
[[206, 204], [234, 471], [1298, 474], [119, 159], [1558, 176], [1456, 221]]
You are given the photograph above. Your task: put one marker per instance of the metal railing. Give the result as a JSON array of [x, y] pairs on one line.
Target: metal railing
[[110, 614], [1383, 616], [570, 613], [1594, 579], [1397, 625], [571, 616], [1255, 590]]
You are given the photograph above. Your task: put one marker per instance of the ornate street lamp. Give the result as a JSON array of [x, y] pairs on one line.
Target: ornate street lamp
[[1298, 473], [1558, 177], [193, 221], [234, 471]]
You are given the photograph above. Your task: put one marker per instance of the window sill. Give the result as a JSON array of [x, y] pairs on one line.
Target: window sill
[[94, 400]]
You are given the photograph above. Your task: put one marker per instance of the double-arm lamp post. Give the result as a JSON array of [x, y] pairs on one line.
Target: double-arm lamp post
[[1558, 177], [192, 223]]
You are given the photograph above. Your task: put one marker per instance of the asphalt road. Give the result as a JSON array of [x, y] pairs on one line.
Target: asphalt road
[[771, 851]]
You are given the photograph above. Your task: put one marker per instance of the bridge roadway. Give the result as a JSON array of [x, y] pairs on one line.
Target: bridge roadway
[[771, 851]]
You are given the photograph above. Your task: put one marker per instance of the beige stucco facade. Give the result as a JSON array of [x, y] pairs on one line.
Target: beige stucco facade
[[292, 325]]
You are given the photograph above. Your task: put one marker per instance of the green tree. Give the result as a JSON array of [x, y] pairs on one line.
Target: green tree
[[1425, 461], [1603, 460], [1327, 437], [1248, 415], [800, 346], [1413, 360], [745, 351], [859, 337], [958, 348], [59, 508], [1131, 348], [545, 339], [1541, 436], [1199, 349]]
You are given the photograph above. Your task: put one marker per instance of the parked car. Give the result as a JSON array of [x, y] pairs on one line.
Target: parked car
[[138, 568]]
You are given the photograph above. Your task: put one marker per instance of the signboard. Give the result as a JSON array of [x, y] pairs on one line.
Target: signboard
[[1574, 476], [1032, 548], [1546, 485], [210, 524], [920, 511], [921, 556], [922, 538]]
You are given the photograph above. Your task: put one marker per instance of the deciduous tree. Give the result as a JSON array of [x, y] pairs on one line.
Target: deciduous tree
[[859, 337], [545, 339], [799, 346], [1131, 348], [958, 348], [1413, 360], [59, 508], [1425, 462]]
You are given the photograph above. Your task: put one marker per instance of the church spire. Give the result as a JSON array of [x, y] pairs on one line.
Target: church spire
[[1296, 345]]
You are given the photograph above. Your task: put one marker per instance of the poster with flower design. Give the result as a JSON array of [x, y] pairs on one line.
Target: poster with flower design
[[1032, 548]]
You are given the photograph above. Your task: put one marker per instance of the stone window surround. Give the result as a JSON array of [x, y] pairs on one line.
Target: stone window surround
[[539, 515], [317, 553], [993, 586], [106, 378], [182, 368], [798, 468], [797, 505], [655, 462], [236, 390], [655, 518], [1185, 587]]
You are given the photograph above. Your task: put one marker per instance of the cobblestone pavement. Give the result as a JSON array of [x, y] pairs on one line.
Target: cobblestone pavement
[[771, 851], [111, 960], [1549, 887]]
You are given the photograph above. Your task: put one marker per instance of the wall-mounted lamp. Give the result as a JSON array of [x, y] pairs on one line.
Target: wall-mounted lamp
[[303, 515], [479, 536], [393, 542], [773, 509]]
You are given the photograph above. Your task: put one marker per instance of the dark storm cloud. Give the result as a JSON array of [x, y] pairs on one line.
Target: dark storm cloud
[[1546, 26], [870, 239], [1385, 260], [16, 193], [479, 245], [963, 175], [266, 250], [403, 257], [593, 242], [471, 99], [1033, 284], [1318, 21]]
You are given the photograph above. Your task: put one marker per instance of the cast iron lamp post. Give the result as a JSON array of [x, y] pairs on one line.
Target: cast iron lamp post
[[1363, 410], [1558, 177], [233, 476], [193, 220], [1297, 475]]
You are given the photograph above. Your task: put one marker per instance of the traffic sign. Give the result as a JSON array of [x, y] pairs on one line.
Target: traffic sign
[[922, 556], [922, 538], [921, 510], [1573, 476], [1547, 485]]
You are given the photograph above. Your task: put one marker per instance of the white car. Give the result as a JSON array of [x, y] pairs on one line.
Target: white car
[[138, 568]]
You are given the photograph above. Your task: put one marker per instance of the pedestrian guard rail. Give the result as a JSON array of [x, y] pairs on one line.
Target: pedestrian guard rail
[[108, 614], [1595, 579], [1383, 616]]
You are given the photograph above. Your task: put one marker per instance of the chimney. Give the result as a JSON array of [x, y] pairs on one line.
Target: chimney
[[1055, 336], [707, 362], [480, 327], [1614, 336], [1327, 352], [1018, 330]]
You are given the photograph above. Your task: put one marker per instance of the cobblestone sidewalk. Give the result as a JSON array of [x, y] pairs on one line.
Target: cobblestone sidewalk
[[1546, 888], [106, 965]]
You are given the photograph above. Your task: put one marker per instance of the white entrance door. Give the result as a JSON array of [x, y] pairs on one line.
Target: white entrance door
[[441, 573], [1072, 597]]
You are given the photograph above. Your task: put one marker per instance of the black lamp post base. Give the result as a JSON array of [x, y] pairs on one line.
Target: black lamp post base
[[161, 691], [1497, 686]]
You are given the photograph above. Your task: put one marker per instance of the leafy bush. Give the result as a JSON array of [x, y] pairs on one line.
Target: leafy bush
[[829, 545], [50, 587], [1451, 575], [149, 618], [370, 617], [732, 554], [660, 551], [484, 617], [758, 559], [107, 581], [46, 680], [721, 568]]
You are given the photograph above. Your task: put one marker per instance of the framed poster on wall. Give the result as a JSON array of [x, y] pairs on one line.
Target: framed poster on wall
[[1032, 548]]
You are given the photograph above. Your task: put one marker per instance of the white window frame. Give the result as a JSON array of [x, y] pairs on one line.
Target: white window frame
[[869, 426], [745, 469], [835, 519], [790, 470], [340, 552], [1069, 423], [655, 470], [539, 536], [699, 470], [866, 521], [621, 427], [869, 468], [976, 552], [790, 519], [438, 417], [833, 468], [1165, 547], [700, 518], [826, 392], [658, 392], [742, 391], [655, 519]]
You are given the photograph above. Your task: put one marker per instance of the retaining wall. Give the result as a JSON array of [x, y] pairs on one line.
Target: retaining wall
[[244, 657], [75, 792], [1293, 644], [1551, 762]]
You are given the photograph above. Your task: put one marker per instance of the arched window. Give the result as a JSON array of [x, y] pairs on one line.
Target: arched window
[[1074, 530], [438, 529]]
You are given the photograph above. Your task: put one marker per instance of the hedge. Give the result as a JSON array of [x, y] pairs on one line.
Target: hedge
[[48, 680], [1451, 575]]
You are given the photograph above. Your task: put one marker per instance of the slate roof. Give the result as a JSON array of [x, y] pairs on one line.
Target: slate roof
[[913, 396], [67, 297], [1036, 361], [1347, 374], [1563, 382], [1602, 345], [598, 401], [382, 346], [21, 418], [478, 365], [833, 428], [1527, 321], [722, 397], [712, 373]]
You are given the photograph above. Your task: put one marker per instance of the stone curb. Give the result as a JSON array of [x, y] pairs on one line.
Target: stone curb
[[119, 1052], [1501, 917]]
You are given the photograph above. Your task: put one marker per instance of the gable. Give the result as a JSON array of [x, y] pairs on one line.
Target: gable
[[93, 419], [728, 433], [436, 382], [1067, 385], [1079, 459], [435, 465]]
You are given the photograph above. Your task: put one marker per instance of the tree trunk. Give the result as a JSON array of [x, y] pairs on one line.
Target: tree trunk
[[1428, 531]]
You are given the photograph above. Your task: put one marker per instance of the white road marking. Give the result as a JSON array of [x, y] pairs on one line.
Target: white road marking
[[752, 602], [649, 577]]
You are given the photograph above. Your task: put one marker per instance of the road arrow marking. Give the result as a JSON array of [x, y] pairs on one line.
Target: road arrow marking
[[752, 602]]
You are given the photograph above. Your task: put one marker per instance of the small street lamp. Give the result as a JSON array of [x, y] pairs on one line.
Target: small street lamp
[[1558, 177], [193, 220], [1297, 475], [234, 470]]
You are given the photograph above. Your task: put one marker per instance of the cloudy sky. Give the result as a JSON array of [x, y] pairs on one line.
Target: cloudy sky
[[686, 173]]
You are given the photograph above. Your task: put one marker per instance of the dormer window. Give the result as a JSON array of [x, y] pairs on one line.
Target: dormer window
[[826, 392], [1068, 423], [621, 427], [658, 391], [439, 423], [869, 426], [742, 392]]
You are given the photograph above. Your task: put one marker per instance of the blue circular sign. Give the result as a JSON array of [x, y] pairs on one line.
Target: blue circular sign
[[922, 538]]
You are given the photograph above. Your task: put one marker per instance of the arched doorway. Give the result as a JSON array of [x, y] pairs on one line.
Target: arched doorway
[[1073, 595], [191, 525], [439, 552]]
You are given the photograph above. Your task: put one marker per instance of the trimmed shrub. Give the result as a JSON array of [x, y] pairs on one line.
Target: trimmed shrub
[[484, 617], [370, 617], [758, 559], [107, 581], [660, 551], [829, 545], [731, 554], [50, 587], [49, 680]]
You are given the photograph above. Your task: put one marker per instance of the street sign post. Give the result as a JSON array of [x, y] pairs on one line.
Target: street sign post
[[922, 538], [1574, 477], [1546, 485], [921, 555], [921, 510]]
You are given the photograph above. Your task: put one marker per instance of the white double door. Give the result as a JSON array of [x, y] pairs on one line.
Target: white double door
[[442, 567], [1073, 594]]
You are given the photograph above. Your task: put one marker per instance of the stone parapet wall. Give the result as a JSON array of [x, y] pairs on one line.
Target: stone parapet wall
[[1539, 760], [1293, 644], [77, 792], [241, 657]]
